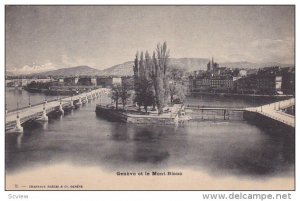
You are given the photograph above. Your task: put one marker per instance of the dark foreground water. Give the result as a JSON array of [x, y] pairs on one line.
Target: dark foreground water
[[220, 148]]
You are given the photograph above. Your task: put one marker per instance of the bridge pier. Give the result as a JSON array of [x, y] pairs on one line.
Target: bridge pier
[[61, 109], [44, 116], [79, 101], [71, 103], [18, 127], [89, 99], [265, 122]]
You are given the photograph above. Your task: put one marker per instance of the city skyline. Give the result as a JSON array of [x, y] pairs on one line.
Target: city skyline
[[102, 36]]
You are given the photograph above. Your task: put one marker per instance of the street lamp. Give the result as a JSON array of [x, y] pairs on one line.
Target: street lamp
[[29, 103], [18, 109]]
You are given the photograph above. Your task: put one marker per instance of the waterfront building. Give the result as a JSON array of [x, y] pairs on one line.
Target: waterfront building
[[261, 84], [269, 84], [246, 84], [201, 84], [288, 80], [242, 73], [69, 81], [85, 81], [108, 81], [94, 81], [222, 83]]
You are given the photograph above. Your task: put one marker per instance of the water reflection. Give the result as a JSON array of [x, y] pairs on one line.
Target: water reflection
[[19, 140], [149, 146], [45, 125]]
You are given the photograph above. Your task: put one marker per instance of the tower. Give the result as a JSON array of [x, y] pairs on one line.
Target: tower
[[213, 64], [208, 66]]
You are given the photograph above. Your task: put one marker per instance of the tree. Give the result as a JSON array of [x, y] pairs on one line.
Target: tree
[[150, 78], [146, 92], [136, 72], [176, 86], [159, 69], [124, 93], [177, 90], [176, 73], [172, 88], [116, 93]]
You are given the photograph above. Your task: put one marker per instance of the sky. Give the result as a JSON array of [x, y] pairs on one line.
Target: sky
[[51, 37]]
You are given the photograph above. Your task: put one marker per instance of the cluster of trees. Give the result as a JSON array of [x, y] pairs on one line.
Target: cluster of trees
[[154, 81], [120, 92]]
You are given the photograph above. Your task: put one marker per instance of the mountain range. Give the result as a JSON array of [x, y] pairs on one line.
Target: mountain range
[[126, 69]]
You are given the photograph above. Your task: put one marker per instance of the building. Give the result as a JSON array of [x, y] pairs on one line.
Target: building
[[70, 81], [222, 83], [94, 81], [242, 73], [269, 84], [260, 84], [288, 80], [207, 82], [108, 81], [212, 67], [247, 85], [201, 84], [85, 81]]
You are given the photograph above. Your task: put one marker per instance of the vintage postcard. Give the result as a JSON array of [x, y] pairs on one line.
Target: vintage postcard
[[135, 97]]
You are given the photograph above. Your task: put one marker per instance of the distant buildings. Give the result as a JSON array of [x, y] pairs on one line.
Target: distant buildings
[[108, 81], [88, 81], [215, 78], [288, 80], [222, 83], [212, 67], [270, 80], [260, 84]]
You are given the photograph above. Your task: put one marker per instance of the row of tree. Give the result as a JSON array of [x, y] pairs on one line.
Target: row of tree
[[154, 81]]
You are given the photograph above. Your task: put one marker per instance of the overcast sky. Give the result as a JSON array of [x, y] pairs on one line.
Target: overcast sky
[[102, 36]]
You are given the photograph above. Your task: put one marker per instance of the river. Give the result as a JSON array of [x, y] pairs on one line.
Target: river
[[226, 154]]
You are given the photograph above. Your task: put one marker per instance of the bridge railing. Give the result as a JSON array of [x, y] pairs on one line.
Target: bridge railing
[[49, 101], [277, 119], [216, 107], [33, 105]]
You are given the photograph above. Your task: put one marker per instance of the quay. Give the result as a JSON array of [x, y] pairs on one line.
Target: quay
[[134, 117], [272, 116], [214, 113], [263, 114], [15, 118]]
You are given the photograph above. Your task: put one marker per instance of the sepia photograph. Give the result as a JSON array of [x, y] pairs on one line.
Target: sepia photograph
[[149, 97]]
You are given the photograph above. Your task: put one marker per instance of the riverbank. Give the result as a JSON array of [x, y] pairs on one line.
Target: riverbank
[[60, 90], [240, 95]]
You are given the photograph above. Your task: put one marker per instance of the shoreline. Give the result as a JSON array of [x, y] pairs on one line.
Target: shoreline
[[239, 95]]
